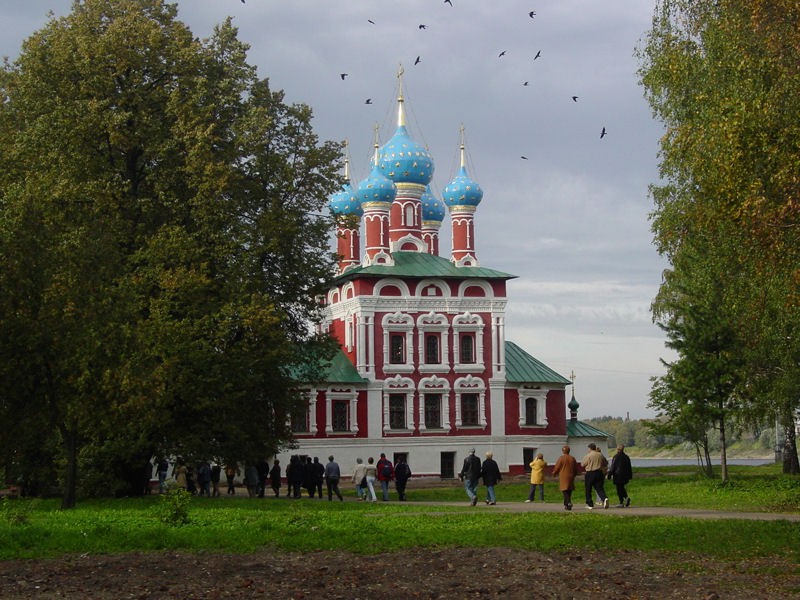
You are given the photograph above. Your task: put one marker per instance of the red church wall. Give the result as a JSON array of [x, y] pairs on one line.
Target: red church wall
[[554, 409]]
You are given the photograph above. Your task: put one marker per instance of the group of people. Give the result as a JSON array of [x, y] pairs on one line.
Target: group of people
[[309, 474], [384, 472], [473, 470], [596, 470], [203, 478]]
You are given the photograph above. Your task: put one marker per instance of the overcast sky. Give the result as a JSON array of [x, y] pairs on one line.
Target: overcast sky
[[570, 220]]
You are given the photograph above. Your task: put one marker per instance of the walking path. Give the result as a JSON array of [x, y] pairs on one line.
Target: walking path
[[633, 511]]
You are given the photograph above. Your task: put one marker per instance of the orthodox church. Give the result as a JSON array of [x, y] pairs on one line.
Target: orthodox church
[[424, 369]]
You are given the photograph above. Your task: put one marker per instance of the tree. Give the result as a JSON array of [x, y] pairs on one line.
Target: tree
[[722, 75], [161, 235]]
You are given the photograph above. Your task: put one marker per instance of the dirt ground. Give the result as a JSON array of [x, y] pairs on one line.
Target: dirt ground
[[440, 573]]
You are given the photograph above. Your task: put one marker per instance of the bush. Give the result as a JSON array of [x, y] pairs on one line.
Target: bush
[[15, 511], [173, 507]]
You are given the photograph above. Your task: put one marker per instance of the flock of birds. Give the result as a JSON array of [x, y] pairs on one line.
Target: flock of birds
[[418, 60]]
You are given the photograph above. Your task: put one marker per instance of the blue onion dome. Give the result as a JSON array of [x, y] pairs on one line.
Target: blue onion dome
[[376, 188], [405, 161], [345, 202], [433, 209], [462, 191]]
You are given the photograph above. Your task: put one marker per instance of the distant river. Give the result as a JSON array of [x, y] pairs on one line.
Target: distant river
[[673, 462]]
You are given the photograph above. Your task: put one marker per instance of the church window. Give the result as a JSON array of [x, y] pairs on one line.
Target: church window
[[432, 356], [340, 420], [433, 411], [409, 215], [397, 352], [300, 419], [467, 349], [469, 409], [530, 411], [397, 411]]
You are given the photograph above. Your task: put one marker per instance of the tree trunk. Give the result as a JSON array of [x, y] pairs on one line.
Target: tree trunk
[[791, 465], [723, 459], [70, 436]]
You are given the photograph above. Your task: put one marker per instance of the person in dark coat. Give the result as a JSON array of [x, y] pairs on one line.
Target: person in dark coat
[[275, 477], [263, 474], [402, 473], [490, 473], [621, 472], [319, 476], [470, 474], [309, 477], [294, 476]]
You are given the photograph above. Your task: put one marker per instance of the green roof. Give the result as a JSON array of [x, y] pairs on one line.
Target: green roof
[[581, 429], [521, 367], [341, 370], [422, 264]]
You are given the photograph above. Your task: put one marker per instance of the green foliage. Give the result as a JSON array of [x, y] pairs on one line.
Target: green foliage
[[15, 511], [161, 242], [173, 507], [722, 77]]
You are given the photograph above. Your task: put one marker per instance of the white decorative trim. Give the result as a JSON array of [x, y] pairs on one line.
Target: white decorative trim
[[540, 395], [398, 323], [484, 285], [468, 323], [434, 385], [433, 323], [471, 385], [423, 285], [392, 282], [394, 385], [418, 243]]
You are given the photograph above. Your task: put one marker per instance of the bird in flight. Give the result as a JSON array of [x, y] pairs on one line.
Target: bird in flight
[[532, 14], [371, 21], [419, 60], [603, 133], [503, 53], [343, 75], [448, 2], [524, 157], [368, 101], [538, 54], [574, 98], [526, 83], [423, 26]]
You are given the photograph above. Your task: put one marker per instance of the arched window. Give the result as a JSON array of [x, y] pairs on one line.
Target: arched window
[[432, 356], [467, 349]]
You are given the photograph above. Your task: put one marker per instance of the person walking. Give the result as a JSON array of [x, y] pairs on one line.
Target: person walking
[[385, 475], [332, 475], [181, 473], [621, 472], [537, 478], [566, 468], [470, 474], [490, 473], [319, 476], [360, 479], [275, 477], [294, 476], [251, 479], [216, 471], [231, 471], [371, 474], [163, 471], [402, 473], [595, 465]]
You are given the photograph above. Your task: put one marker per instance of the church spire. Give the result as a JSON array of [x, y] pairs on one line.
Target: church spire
[[401, 111]]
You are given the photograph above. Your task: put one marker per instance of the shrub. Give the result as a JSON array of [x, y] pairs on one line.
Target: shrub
[[173, 507]]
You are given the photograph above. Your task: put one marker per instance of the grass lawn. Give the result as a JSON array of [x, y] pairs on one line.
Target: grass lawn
[[38, 528]]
